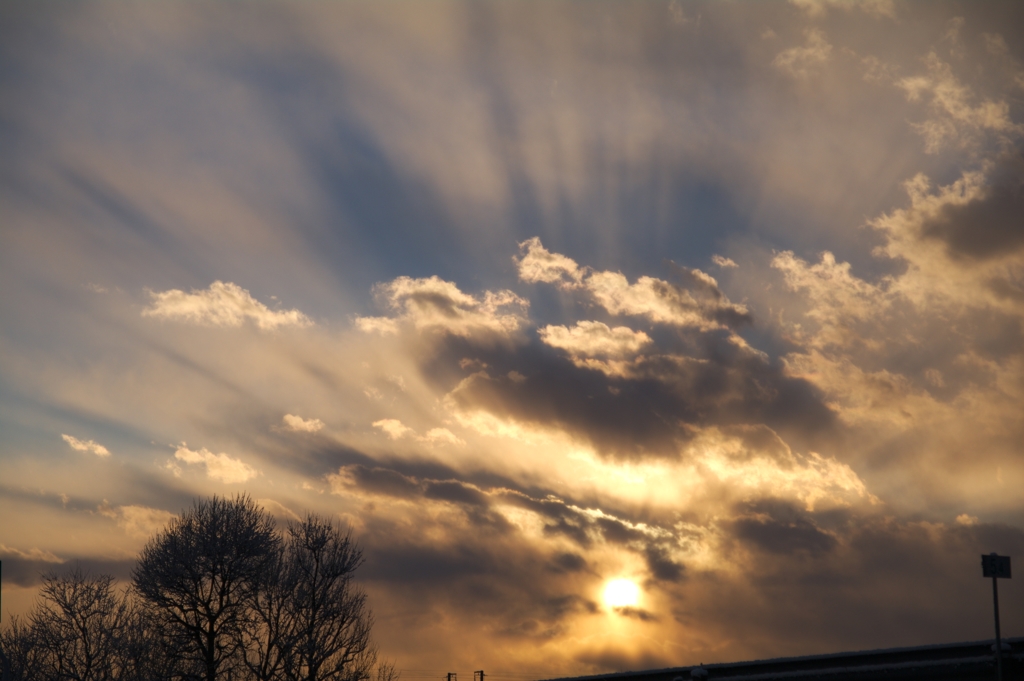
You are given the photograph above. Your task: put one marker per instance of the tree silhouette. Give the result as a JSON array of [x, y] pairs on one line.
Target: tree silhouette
[[81, 629], [199, 576], [21, 657], [309, 622], [330, 619], [267, 637], [218, 594], [77, 633]]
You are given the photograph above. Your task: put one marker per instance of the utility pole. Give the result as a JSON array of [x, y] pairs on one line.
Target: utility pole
[[478, 675], [452, 676], [996, 566]]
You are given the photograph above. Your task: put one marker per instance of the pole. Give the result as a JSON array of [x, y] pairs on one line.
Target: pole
[[999, 640]]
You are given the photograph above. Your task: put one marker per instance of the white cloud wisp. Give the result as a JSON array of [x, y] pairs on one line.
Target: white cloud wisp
[[86, 446], [223, 304]]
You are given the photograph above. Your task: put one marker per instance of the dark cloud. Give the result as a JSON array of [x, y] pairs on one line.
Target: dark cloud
[[504, 583], [475, 505], [571, 604], [653, 409], [778, 526], [636, 613], [568, 562], [759, 439], [704, 288], [455, 492], [696, 282], [383, 481], [662, 567], [616, 531], [991, 225], [478, 506], [571, 528], [883, 582], [622, 660], [26, 571], [531, 628], [402, 557]]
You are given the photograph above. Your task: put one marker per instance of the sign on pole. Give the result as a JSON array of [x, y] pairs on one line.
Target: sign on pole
[[993, 565], [996, 566]]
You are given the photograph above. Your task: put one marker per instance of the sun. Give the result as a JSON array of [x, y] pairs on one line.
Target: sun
[[621, 593]]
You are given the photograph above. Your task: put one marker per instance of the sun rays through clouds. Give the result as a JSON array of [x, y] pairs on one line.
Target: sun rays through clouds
[[621, 335]]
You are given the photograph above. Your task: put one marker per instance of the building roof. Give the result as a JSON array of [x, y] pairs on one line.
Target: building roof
[[974, 660]]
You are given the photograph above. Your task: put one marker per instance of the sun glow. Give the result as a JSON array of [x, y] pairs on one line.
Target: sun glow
[[621, 593]]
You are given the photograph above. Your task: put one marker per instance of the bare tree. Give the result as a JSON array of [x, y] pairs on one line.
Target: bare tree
[[386, 671], [80, 626], [148, 653], [22, 658], [330, 618], [216, 595], [267, 637], [313, 622], [198, 577], [75, 633]]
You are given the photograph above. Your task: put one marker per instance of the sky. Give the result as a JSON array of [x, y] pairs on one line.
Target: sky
[[622, 335]]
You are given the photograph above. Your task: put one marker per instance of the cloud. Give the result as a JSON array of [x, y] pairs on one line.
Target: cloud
[[278, 510], [432, 303], [218, 466], [919, 362], [984, 222], [507, 509], [636, 613], [34, 555], [960, 248], [649, 297], [397, 430], [441, 436], [836, 296], [301, 425], [636, 432], [641, 406], [538, 264], [782, 528], [223, 304], [961, 241], [382, 325], [136, 521], [86, 446], [954, 118], [394, 428], [800, 62], [818, 8], [966, 519], [595, 339], [699, 304], [582, 543]]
